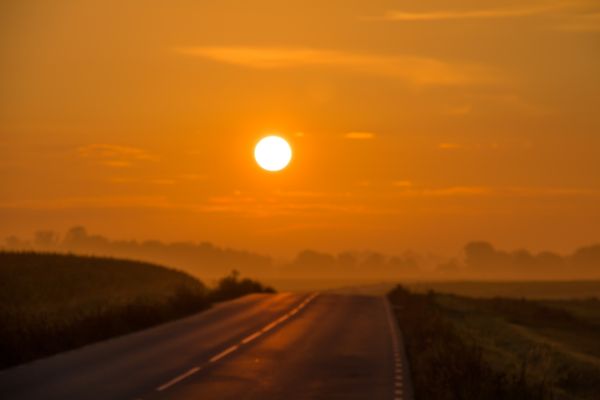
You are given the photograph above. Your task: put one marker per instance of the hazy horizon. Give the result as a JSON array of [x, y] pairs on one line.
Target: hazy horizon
[[207, 260]]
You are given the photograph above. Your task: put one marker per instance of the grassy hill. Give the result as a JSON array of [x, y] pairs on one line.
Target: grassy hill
[[52, 302]]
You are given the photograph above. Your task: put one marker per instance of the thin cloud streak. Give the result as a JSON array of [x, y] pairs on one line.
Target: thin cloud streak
[[360, 135], [94, 202], [114, 156], [412, 69], [303, 203], [449, 146], [582, 23], [516, 12]]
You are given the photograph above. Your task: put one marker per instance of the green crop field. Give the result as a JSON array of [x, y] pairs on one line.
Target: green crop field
[[51, 302]]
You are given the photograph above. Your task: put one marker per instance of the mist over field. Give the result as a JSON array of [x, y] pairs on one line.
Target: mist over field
[[477, 260]]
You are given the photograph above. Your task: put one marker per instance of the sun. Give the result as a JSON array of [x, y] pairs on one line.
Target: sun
[[273, 153]]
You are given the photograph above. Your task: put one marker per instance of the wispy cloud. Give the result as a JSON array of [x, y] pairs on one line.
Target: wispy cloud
[[514, 12], [115, 156], [152, 181], [458, 110], [458, 191], [193, 177], [402, 184], [495, 191], [306, 204], [289, 204], [449, 146], [412, 69], [485, 146], [582, 23], [91, 203], [360, 135]]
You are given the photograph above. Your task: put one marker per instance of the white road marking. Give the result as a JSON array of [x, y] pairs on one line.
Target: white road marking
[[224, 353], [269, 327], [244, 341], [251, 337], [178, 379], [398, 373]]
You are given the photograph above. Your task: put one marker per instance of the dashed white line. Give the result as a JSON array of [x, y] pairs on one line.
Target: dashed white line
[[178, 379], [244, 341], [269, 327], [251, 337], [224, 353]]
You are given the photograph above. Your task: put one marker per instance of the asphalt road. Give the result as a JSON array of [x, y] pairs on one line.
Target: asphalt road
[[283, 346]]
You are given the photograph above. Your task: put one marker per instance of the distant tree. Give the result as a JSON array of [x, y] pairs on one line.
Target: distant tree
[[449, 268], [14, 243], [523, 262], [587, 260], [482, 259], [551, 264], [347, 261], [478, 253], [45, 239], [75, 236]]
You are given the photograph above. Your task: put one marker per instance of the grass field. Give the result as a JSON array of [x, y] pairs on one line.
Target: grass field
[[496, 348], [51, 303]]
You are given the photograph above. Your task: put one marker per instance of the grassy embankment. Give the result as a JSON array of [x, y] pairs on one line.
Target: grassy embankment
[[500, 348], [51, 303]]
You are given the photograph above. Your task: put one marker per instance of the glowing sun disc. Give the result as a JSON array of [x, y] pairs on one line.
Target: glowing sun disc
[[273, 153]]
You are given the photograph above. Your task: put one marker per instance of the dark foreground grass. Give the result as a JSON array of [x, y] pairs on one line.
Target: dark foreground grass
[[50, 303], [443, 365], [501, 348]]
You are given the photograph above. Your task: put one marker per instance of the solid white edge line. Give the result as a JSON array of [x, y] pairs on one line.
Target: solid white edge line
[[398, 373]]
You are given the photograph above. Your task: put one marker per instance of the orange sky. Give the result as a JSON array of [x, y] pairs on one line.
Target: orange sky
[[416, 125]]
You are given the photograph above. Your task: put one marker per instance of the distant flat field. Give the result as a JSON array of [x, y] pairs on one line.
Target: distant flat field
[[525, 289]]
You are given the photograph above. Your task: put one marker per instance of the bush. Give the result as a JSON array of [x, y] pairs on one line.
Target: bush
[[231, 287]]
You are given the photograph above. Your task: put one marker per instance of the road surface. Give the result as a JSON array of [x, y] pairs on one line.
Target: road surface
[[283, 346]]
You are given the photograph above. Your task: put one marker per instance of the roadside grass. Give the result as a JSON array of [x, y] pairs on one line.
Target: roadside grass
[[51, 303], [499, 348], [529, 289]]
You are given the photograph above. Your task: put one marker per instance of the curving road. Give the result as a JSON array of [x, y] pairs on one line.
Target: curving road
[[283, 346]]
